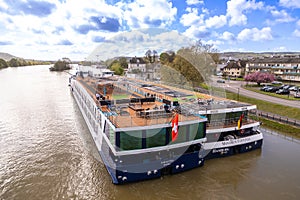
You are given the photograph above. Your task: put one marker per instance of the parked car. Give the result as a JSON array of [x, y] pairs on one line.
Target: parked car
[[282, 91], [220, 81], [272, 89], [286, 87], [276, 82], [265, 87], [294, 88], [297, 95]]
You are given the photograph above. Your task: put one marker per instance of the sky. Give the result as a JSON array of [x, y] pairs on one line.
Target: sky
[[99, 29]]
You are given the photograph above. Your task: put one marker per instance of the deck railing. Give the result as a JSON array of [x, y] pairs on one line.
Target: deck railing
[[120, 121], [228, 123]]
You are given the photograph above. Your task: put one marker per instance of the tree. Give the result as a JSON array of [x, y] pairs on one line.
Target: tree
[[260, 77], [3, 63], [180, 71], [190, 66], [199, 57], [13, 62], [154, 52], [148, 55], [117, 68], [123, 62], [60, 66], [164, 58]]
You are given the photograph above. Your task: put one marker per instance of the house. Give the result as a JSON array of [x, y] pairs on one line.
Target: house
[[234, 69], [136, 65], [94, 71], [139, 69], [283, 67]]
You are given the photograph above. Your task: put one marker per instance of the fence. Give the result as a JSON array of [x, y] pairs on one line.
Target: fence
[[277, 118]]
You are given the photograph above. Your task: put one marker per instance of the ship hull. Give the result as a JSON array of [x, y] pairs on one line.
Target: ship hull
[[144, 166], [231, 147], [124, 168]]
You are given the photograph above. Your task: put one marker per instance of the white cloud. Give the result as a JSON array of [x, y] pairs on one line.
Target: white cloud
[[197, 32], [205, 11], [236, 9], [215, 43], [145, 13], [3, 5], [280, 49], [192, 18], [255, 34], [43, 34], [290, 3], [227, 36], [216, 21], [298, 23], [296, 33], [282, 16], [194, 2], [137, 42], [197, 25]]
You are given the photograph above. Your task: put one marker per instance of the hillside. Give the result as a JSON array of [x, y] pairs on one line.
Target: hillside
[[6, 56]]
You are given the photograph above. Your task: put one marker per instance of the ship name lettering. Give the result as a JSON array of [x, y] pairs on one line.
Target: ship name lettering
[[236, 141]]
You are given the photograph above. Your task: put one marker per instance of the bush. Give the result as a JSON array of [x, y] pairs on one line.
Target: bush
[[60, 66]]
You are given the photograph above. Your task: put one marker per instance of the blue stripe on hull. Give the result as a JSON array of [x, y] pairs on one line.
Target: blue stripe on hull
[[219, 153], [250, 146], [126, 174], [187, 162]]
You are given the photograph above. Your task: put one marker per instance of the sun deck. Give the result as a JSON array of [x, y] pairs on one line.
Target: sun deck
[[129, 103]]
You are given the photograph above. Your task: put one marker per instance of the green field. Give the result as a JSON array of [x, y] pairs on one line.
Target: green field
[[267, 106]]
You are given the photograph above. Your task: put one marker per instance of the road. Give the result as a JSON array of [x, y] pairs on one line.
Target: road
[[235, 86]]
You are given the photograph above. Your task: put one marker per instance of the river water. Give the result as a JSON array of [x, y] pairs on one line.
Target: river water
[[46, 152]]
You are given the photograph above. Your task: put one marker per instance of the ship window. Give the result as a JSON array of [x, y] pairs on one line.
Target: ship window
[[106, 129], [155, 137], [112, 136], [131, 140], [235, 115], [196, 131], [182, 131]]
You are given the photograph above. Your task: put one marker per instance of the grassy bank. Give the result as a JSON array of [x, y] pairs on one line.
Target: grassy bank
[[281, 128], [267, 106]]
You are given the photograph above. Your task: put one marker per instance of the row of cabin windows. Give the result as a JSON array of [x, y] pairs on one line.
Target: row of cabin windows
[[227, 116], [142, 139]]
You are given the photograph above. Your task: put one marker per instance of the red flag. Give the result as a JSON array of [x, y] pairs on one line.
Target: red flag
[[240, 121], [175, 127]]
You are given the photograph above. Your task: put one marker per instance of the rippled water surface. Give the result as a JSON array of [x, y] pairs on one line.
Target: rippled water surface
[[47, 153]]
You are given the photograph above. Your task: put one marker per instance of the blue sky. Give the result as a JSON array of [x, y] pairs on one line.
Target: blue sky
[[52, 29]]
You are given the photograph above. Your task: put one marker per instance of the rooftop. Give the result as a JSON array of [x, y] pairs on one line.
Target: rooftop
[[130, 102]]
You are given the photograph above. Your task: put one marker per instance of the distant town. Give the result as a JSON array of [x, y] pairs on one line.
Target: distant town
[[285, 66]]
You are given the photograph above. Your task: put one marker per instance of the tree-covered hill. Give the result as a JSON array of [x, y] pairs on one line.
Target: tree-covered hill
[[6, 56]]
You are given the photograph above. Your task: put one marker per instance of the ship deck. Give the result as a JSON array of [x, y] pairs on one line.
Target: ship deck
[[129, 103]]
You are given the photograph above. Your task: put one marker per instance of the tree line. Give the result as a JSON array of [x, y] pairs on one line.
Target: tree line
[[17, 62]]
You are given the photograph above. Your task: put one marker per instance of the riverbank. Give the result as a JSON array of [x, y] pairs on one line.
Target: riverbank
[[272, 108], [278, 109], [281, 128]]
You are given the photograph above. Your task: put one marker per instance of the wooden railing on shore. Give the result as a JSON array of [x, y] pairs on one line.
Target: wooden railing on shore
[[278, 118]]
